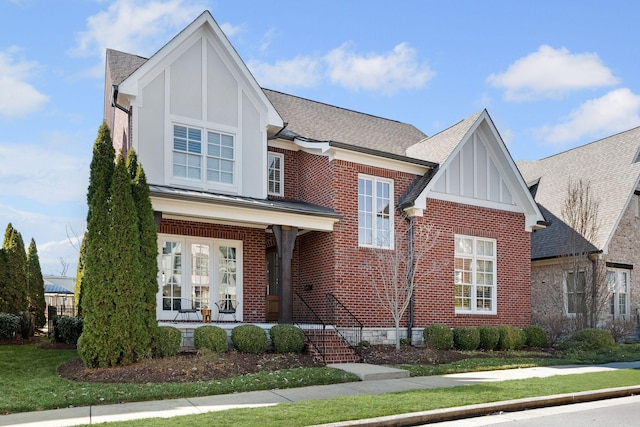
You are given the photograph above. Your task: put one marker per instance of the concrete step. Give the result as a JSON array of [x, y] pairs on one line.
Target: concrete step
[[367, 372]]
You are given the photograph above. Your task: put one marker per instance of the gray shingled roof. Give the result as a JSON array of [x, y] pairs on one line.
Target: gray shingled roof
[[322, 122], [438, 147], [122, 65], [611, 166]]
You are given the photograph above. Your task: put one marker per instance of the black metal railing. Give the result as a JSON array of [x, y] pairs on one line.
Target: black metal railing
[[310, 323], [345, 323]]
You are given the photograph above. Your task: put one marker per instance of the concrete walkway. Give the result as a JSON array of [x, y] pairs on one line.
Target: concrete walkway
[[373, 383]]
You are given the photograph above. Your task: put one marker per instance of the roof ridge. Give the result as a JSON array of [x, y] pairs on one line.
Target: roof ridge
[[454, 125], [586, 144]]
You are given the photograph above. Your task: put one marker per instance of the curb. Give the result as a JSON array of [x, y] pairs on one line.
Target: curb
[[470, 411]]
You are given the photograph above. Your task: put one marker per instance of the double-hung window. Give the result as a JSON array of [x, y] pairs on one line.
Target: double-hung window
[[375, 212], [618, 284], [575, 284], [196, 150], [275, 165], [187, 152], [475, 275]]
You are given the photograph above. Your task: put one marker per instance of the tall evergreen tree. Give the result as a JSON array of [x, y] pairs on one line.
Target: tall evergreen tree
[[4, 282], [97, 292], [129, 338], [35, 286], [77, 294], [148, 238], [16, 287]]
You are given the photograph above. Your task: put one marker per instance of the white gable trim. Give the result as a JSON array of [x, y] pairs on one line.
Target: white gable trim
[[131, 85], [496, 151]]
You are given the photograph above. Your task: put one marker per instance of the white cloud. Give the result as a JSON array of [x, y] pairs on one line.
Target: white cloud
[[45, 174], [551, 73], [140, 27], [388, 73], [301, 71], [230, 30], [19, 98], [616, 111]]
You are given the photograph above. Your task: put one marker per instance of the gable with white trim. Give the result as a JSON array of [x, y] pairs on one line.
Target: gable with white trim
[[200, 120], [479, 171]]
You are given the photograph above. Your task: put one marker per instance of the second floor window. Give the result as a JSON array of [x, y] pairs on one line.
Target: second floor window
[[275, 164], [375, 212], [191, 157]]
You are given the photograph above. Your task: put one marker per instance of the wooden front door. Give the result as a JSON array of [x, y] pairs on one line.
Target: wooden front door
[[273, 288]]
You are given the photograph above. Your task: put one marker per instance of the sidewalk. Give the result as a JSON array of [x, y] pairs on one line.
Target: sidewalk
[[369, 385]]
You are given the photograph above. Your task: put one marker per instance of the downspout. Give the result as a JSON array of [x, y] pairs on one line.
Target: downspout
[[114, 103], [410, 273], [594, 291]]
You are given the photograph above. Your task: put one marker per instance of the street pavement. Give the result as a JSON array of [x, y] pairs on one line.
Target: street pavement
[[375, 380]]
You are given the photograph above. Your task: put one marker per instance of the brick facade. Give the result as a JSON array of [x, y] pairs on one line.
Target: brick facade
[[333, 262]]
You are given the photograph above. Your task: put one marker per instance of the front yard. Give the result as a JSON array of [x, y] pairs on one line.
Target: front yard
[[37, 377]]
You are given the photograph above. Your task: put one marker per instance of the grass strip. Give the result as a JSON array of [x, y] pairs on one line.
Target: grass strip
[[368, 406]]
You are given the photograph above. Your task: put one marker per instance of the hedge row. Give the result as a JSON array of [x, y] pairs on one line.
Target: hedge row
[[245, 338], [469, 338]]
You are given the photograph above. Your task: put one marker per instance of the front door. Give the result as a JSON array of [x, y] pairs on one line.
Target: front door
[[273, 288]]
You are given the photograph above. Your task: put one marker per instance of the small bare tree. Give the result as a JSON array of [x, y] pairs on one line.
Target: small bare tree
[[585, 269], [396, 271], [64, 266]]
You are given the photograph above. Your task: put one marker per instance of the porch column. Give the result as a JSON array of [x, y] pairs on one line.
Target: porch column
[[285, 242]]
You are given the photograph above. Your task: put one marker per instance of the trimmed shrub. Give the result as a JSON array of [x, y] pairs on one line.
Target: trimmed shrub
[[521, 338], [211, 337], [8, 326], [511, 338], [25, 325], [439, 337], [466, 338], [167, 341], [68, 329], [287, 339], [489, 337], [589, 339], [536, 336], [249, 339]]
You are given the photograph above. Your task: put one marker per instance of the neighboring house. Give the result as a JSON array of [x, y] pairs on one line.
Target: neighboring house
[[276, 201], [611, 168], [58, 293]]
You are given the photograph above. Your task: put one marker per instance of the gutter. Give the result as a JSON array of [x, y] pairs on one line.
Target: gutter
[[114, 103]]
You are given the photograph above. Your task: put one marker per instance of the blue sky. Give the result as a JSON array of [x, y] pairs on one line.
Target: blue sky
[[553, 75]]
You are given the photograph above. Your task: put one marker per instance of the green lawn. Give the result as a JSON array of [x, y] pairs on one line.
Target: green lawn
[[28, 379], [369, 406], [28, 382]]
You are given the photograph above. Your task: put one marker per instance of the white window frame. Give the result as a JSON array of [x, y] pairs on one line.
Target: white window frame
[[567, 294], [204, 156], [619, 287], [375, 241], [187, 268], [475, 260], [279, 179]]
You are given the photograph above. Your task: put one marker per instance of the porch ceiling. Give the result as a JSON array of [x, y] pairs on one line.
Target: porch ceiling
[[228, 209]]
